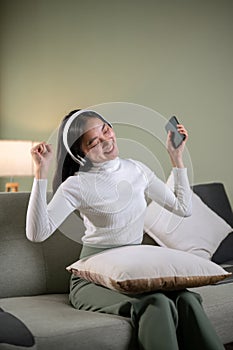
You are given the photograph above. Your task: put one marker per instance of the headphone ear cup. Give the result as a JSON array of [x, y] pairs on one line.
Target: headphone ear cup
[[80, 160]]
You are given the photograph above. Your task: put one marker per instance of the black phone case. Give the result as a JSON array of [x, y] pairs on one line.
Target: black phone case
[[177, 138]]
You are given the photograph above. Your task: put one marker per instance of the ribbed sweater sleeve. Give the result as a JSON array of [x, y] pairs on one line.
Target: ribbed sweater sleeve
[[182, 191], [42, 219], [177, 201]]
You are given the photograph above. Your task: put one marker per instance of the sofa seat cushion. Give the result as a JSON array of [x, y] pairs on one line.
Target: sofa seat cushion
[[56, 325], [218, 305]]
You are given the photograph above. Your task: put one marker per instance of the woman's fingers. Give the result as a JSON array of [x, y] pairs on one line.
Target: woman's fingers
[[49, 147], [37, 148], [42, 152], [182, 131], [41, 148]]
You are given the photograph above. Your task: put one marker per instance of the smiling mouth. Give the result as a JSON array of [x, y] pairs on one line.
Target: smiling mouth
[[109, 149]]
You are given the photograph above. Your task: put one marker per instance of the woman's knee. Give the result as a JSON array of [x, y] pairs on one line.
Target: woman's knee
[[159, 300], [188, 302], [189, 297]]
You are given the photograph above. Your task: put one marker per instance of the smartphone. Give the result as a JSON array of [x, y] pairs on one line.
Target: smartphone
[[177, 138]]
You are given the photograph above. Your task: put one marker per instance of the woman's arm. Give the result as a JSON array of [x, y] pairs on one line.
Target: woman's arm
[[42, 219], [178, 201]]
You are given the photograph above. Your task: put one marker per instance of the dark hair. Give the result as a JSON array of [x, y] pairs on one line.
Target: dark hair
[[66, 166]]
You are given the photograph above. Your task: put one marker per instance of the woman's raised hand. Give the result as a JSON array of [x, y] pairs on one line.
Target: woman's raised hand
[[176, 154], [42, 155]]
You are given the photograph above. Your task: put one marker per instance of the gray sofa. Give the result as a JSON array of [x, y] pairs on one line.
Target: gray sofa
[[34, 288]]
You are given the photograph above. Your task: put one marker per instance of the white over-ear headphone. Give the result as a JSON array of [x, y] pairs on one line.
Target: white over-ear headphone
[[78, 159]]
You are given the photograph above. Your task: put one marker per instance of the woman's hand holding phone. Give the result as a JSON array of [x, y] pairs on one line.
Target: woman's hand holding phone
[[176, 140]]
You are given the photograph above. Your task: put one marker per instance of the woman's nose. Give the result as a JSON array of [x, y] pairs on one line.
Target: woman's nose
[[105, 138], [106, 144]]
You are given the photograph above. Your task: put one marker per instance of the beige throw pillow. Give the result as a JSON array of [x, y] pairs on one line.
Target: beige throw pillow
[[144, 268]]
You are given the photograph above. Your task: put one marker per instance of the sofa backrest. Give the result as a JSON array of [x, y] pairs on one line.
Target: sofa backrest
[[28, 268]]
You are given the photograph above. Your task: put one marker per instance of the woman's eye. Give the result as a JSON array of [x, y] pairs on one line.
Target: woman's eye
[[94, 145]]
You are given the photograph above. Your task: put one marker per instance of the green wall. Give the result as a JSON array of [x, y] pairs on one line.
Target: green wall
[[174, 56]]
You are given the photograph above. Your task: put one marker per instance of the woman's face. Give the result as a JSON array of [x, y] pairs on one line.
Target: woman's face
[[99, 141]]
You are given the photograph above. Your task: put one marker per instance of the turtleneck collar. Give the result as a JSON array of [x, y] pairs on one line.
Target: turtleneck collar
[[109, 165]]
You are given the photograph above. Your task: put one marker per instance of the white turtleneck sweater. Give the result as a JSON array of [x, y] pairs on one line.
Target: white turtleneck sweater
[[111, 198]]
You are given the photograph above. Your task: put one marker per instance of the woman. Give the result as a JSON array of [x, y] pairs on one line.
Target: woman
[[110, 194]]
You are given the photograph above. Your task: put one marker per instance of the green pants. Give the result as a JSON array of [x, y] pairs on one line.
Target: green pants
[[162, 320]]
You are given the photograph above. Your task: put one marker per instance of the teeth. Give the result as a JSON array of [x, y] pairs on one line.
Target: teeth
[[107, 150]]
